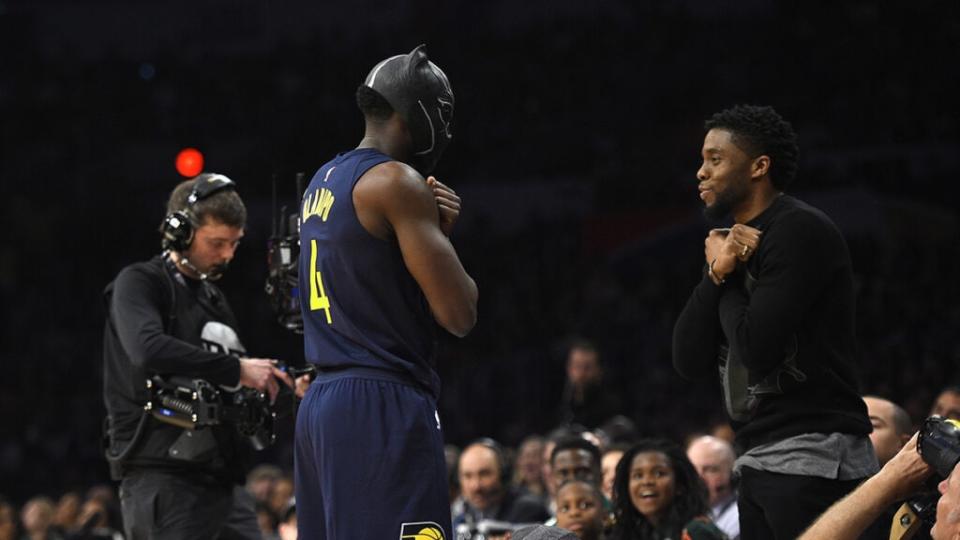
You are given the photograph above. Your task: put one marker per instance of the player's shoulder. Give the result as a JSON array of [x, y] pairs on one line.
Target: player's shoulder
[[393, 181]]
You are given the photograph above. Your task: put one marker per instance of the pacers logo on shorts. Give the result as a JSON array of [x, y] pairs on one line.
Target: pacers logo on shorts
[[422, 530]]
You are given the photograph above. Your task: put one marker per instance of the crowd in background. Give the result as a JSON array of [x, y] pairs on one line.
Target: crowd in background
[[579, 475]]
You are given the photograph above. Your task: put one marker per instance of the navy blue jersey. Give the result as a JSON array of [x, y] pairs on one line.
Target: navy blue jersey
[[361, 307]]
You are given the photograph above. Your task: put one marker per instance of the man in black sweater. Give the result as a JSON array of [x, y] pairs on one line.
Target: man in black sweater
[[166, 317], [774, 314]]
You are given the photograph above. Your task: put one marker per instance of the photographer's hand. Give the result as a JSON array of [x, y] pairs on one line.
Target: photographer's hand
[[262, 374], [905, 474], [901, 477]]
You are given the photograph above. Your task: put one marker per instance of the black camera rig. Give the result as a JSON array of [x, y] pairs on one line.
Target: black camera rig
[[196, 403]]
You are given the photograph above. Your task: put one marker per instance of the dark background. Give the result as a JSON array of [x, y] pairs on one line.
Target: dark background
[[577, 134]]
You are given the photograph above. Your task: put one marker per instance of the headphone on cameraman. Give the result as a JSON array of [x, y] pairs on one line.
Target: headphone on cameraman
[[178, 227]]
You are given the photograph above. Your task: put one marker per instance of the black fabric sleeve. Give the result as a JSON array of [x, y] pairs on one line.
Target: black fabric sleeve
[[695, 335], [137, 308], [791, 275]]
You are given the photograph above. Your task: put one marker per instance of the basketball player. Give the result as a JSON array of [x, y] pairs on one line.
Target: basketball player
[[377, 274]]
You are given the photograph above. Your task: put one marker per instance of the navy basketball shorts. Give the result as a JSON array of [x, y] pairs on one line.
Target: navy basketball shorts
[[368, 460]]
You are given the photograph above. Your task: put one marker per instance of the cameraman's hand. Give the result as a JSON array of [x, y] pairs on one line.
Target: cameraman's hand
[[261, 374], [906, 473]]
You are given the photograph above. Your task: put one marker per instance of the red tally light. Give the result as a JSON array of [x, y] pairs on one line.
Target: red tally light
[[189, 162]]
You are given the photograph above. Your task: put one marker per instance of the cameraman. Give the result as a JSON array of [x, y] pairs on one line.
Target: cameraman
[[166, 317], [901, 477]]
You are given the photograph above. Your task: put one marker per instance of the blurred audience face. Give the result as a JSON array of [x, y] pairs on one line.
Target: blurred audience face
[[93, 512], [530, 462], [947, 405], [261, 481], [713, 459], [886, 439], [580, 510], [583, 368], [282, 493], [947, 525], [652, 485], [37, 515], [480, 477], [574, 464], [608, 466], [8, 522], [68, 511]]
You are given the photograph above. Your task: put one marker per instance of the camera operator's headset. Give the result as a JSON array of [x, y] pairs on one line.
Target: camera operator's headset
[[177, 231], [178, 227]]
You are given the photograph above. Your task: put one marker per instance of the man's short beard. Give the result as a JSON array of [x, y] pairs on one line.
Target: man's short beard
[[726, 201]]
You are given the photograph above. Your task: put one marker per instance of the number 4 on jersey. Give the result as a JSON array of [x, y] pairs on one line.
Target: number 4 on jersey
[[318, 296]]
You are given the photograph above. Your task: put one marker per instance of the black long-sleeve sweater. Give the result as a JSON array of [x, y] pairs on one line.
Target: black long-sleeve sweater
[[803, 298]]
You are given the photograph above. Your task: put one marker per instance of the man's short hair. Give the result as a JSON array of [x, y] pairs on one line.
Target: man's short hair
[[576, 443], [759, 130], [224, 206]]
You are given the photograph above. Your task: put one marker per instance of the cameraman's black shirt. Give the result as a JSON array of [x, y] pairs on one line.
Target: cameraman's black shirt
[[160, 322]]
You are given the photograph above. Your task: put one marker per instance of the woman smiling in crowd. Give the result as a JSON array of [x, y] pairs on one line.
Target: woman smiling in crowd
[[659, 496]]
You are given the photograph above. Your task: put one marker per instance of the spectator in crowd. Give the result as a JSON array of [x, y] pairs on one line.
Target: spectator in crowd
[[558, 434], [93, 522], [902, 476], [580, 509], [576, 458], [8, 521], [484, 481], [67, 512], [608, 468], [261, 481], [713, 459], [528, 475], [947, 404], [37, 518], [658, 495], [282, 493], [891, 427], [585, 400]]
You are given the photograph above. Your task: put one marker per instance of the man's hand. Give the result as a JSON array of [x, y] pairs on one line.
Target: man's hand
[[301, 385], [906, 472], [262, 374], [447, 202], [724, 248], [901, 477]]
